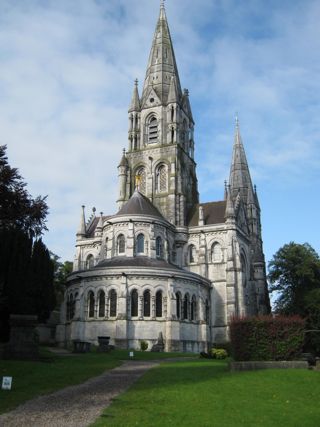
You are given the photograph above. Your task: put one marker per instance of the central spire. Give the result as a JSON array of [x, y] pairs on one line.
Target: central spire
[[162, 63]]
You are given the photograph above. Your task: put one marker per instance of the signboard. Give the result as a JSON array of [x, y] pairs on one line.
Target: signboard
[[131, 354], [6, 383]]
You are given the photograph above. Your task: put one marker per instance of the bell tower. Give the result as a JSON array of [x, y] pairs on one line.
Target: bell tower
[[161, 126]]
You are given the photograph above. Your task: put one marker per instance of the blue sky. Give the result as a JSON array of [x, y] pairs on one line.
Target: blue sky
[[66, 76]]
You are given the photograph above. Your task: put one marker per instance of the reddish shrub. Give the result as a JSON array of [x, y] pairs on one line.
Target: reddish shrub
[[266, 337]]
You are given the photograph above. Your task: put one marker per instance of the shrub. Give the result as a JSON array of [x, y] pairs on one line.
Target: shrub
[[218, 353], [143, 345], [266, 337]]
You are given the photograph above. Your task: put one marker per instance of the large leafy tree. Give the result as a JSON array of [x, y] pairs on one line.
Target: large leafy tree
[[294, 271], [294, 274], [17, 208]]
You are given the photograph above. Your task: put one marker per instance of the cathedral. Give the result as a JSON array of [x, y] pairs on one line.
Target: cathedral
[[166, 265]]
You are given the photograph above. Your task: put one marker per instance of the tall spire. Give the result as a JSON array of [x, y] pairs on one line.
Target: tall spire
[[240, 179], [135, 101], [162, 63]]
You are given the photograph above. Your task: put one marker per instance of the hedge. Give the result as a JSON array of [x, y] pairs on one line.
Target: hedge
[[266, 337]]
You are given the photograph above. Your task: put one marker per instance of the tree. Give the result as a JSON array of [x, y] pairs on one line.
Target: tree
[[17, 208], [61, 271], [26, 270], [294, 271]]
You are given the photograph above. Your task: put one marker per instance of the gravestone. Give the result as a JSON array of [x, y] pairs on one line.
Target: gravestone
[[159, 346], [23, 344]]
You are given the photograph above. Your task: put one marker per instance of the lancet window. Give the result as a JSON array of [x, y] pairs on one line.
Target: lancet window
[[102, 304], [91, 304], [146, 303], [112, 303], [161, 179], [178, 305], [186, 306], [121, 244], [152, 130], [191, 254], [134, 303], [159, 247], [89, 261], [216, 252], [141, 180], [159, 304], [193, 308], [140, 244]]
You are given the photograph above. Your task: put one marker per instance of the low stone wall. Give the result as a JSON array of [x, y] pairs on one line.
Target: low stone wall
[[254, 365]]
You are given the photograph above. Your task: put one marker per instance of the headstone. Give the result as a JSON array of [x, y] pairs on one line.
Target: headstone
[[159, 346], [23, 344]]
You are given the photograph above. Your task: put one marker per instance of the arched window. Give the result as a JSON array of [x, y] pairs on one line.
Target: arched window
[[141, 180], [186, 306], [102, 304], [91, 304], [113, 303], [152, 130], [159, 247], [193, 308], [191, 254], [89, 261], [216, 252], [146, 303], [121, 244], [106, 245], [161, 179], [140, 244], [178, 305], [134, 303], [159, 304]]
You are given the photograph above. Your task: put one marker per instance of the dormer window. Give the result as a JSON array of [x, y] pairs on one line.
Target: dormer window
[[152, 130]]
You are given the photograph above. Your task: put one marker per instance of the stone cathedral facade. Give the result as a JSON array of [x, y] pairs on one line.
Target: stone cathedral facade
[[166, 265]]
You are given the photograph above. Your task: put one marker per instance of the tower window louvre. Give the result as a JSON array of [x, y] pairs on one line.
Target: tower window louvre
[[152, 130]]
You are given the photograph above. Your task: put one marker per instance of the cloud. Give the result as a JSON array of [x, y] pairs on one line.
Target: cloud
[[66, 78]]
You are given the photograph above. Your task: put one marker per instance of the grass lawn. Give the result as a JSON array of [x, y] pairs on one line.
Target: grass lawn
[[31, 379], [203, 393]]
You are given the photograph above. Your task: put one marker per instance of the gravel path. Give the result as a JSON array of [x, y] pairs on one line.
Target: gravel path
[[77, 406]]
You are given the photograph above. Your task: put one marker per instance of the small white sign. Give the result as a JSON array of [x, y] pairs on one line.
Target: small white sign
[[6, 383], [131, 354]]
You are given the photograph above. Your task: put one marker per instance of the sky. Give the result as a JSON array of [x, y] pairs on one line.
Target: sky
[[67, 69]]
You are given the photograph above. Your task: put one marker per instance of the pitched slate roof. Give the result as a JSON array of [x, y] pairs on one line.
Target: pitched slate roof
[[213, 213]]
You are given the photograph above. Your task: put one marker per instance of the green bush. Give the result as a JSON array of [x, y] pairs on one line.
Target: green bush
[[218, 353], [267, 337], [143, 345]]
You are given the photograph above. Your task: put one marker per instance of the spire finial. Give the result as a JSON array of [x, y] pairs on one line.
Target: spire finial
[[237, 120], [162, 4], [124, 151], [136, 82]]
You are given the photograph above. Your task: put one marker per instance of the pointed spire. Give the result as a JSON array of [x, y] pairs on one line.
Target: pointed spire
[[82, 225], [135, 101], [240, 179], [173, 95], [100, 222], [123, 161], [230, 213], [162, 63]]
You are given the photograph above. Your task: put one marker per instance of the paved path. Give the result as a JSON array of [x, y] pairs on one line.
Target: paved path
[[80, 405]]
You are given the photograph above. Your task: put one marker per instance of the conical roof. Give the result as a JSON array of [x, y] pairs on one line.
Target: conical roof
[[162, 63], [138, 204], [240, 179], [135, 101]]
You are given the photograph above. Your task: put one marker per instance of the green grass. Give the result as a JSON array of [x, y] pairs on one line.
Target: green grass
[[31, 379], [203, 393]]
